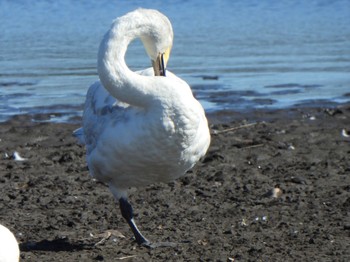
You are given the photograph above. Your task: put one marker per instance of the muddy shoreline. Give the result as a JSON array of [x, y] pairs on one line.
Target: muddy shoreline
[[222, 210]]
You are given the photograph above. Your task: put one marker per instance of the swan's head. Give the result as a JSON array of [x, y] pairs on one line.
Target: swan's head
[[157, 39], [152, 27]]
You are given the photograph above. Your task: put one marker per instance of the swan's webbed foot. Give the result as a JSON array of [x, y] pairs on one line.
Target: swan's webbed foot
[[151, 245], [127, 213]]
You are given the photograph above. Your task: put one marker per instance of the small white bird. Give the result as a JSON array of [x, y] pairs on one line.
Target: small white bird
[[9, 251], [140, 127]]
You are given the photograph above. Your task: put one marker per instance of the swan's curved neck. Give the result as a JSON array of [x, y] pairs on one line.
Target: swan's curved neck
[[114, 74]]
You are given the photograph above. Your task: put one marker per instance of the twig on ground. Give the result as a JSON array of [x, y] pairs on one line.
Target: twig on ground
[[104, 239], [216, 132], [106, 235], [126, 257], [252, 146]]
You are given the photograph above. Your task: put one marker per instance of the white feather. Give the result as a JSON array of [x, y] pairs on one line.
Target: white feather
[[17, 157]]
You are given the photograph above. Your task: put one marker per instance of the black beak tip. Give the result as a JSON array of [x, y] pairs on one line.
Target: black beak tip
[[163, 72], [162, 66]]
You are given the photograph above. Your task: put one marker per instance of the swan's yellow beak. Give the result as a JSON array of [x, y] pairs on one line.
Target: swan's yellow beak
[[159, 66]]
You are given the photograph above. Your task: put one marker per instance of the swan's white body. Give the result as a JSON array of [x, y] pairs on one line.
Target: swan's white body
[[9, 251], [139, 128]]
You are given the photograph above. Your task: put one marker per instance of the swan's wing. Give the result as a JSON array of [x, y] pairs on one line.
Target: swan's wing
[[99, 108], [97, 102]]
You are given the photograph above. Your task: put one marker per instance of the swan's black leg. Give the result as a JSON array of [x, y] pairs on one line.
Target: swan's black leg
[[127, 213]]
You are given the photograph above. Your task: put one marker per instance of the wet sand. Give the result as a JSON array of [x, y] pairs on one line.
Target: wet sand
[[274, 186]]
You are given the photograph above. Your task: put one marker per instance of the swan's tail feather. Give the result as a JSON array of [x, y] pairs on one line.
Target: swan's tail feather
[[79, 134]]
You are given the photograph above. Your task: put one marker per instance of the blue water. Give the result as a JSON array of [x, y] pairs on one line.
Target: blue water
[[236, 55]]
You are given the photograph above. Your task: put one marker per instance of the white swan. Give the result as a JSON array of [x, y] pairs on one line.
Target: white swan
[[9, 251], [144, 127]]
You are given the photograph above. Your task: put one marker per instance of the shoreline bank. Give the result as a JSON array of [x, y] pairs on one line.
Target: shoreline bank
[[224, 208]]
